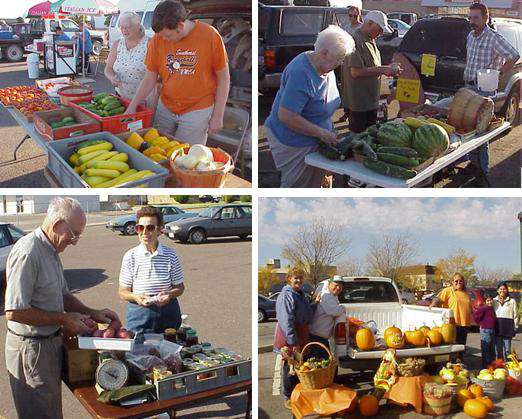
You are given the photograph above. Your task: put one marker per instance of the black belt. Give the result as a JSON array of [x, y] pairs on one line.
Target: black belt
[[36, 337]]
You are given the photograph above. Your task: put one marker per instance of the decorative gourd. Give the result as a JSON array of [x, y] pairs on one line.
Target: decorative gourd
[[476, 389], [394, 338], [449, 333], [430, 140], [463, 396], [364, 339], [368, 405], [475, 409], [487, 402], [415, 337], [434, 337]]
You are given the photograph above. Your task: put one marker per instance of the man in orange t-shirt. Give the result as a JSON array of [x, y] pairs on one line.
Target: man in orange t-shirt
[[191, 60]]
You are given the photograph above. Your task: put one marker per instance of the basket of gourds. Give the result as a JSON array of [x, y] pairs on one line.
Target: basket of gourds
[[437, 399], [316, 374], [411, 367]]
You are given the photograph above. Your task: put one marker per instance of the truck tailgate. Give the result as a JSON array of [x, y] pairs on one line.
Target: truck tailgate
[[401, 353]]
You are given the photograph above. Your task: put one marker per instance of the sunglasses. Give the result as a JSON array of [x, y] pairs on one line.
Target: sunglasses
[[74, 236], [149, 228]]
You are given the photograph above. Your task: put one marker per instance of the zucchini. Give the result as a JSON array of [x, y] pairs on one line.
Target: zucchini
[[117, 111], [388, 169], [112, 105], [328, 151], [401, 151], [368, 151], [397, 159], [100, 96], [108, 99]]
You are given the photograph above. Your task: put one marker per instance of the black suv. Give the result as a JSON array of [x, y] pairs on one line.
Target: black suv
[[445, 37], [287, 31]]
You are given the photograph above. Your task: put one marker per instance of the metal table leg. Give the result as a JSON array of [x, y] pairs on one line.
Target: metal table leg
[[249, 404], [20, 145]]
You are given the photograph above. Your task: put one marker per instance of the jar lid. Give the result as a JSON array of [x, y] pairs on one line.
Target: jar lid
[[170, 331], [192, 332]]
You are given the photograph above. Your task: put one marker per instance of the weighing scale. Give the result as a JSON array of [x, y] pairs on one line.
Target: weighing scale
[[112, 373]]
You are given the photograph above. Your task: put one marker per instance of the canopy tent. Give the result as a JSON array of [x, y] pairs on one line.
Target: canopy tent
[[45, 9]]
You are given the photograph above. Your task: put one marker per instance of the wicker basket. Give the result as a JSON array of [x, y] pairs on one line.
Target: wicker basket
[[494, 389], [436, 407], [184, 178], [320, 378]]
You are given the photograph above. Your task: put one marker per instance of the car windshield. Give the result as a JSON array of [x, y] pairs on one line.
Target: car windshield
[[368, 292], [208, 212], [301, 23]]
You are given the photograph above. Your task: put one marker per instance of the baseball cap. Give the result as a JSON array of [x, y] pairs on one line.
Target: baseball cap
[[336, 278], [380, 19]]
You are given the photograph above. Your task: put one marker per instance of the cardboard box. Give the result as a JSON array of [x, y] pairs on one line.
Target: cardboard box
[[79, 365]]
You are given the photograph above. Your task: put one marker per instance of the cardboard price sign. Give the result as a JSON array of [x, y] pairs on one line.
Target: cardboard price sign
[[428, 63], [408, 90]]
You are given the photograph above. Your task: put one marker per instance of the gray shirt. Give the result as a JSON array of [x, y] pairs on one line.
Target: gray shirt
[[326, 315], [35, 278]]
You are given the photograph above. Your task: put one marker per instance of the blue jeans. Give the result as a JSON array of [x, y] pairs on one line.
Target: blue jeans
[[487, 346], [153, 319], [503, 347]]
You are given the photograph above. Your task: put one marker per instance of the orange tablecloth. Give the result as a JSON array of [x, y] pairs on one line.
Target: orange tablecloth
[[326, 401], [408, 391]]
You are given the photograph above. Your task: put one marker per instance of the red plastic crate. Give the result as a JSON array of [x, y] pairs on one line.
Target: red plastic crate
[[142, 118]]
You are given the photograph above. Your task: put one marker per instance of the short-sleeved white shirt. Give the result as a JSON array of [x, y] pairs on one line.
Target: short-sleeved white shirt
[[149, 273]]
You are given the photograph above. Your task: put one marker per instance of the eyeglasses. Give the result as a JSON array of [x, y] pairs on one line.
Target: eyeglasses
[[149, 228], [353, 15], [74, 236]]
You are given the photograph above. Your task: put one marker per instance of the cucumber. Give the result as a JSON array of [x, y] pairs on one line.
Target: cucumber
[[100, 96], [397, 159], [89, 143], [117, 111], [367, 150], [388, 169], [401, 151], [108, 99], [111, 106], [328, 152]]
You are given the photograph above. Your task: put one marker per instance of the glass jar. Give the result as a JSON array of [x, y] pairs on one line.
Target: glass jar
[[181, 333], [171, 335], [191, 337], [197, 348]]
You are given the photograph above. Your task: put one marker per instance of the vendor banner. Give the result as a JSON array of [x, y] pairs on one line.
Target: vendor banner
[[89, 7]]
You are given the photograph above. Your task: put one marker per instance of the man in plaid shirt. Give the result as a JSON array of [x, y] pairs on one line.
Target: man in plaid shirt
[[485, 49]]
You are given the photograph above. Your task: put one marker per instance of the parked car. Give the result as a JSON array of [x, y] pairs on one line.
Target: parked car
[[402, 27], [126, 223], [266, 308], [446, 37], [209, 198], [217, 221], [408, 18], [9, 235]]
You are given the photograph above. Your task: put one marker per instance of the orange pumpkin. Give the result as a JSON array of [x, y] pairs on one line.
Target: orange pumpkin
[[436, 329], [476, 389], [434, 337], [415, 337], [368, 405], [394, 338], [425, 330], [475, 409], [449, 333], [487, 401], [364, 339], [463, 396]]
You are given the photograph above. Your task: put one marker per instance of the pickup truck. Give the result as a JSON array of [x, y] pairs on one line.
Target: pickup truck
[[379, 299]]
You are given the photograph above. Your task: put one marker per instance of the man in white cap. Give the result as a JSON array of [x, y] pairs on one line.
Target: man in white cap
[[362, 82]]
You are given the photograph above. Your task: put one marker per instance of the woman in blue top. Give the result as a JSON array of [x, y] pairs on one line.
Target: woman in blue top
[[302, 111]]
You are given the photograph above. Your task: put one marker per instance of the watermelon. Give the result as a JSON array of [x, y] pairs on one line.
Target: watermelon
[[430, 140], [395, 134]]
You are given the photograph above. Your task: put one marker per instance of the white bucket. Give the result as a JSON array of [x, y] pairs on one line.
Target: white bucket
[[487, 80], [33, 66]]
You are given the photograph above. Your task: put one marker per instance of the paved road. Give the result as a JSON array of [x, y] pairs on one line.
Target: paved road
[[271, 406], [217, 300]]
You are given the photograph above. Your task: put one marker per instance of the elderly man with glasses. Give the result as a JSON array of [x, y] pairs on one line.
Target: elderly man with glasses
[[39, 307], [151, 278]]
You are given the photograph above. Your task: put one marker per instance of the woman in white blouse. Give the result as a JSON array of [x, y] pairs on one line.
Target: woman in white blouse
[[125, 67], [507, 320]]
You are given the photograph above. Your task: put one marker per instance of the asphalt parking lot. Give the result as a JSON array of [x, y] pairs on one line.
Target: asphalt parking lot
[[271, 406], [217, 298]]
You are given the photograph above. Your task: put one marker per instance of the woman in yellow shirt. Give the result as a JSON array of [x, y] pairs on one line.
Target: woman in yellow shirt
[[458, 300]]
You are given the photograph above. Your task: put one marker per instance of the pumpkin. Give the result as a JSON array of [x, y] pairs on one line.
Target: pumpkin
[[368, 405], [394, 338], [487, 401], [463, 396], [424, 329], [364, 339], [436, 328], [449, 333], [475, 409], [353, 326], [476, 389], [415, 337], [434, 337]]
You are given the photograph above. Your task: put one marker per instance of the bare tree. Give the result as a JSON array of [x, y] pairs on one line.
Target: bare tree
[[389, 254], [491, 277], [315, 247], [351, 267]]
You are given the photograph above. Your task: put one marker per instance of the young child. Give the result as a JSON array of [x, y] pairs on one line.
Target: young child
[[485, 317]]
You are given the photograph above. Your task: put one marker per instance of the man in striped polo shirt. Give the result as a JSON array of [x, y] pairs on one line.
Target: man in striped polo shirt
[[151, 278]]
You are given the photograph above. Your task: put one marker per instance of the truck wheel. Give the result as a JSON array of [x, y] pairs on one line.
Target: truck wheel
[[511, 108], [97, 47], [14, 53]]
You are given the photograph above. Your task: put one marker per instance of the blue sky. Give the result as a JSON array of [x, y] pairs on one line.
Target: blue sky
[[487, 228], [12, 9]]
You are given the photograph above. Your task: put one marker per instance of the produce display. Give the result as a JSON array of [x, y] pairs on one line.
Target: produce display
[[453, 374], [312, 364], [364, 339], [27, 99], [198, 157], [104, 105], [470, 111], [437, 399], [64, 122], [102, 167], [157, 148]]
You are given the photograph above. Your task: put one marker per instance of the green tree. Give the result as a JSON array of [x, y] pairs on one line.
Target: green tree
[[228, 199], [459, 261], [181, 199], [246, 198], [266, 278]]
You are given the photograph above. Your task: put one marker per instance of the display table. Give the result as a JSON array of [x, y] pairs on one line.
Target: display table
[[408, 391], [88, 396], [327, 401], [358, 175]]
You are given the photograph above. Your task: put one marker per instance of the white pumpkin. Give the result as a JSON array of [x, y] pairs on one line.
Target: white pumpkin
[[201, 153], [186, 162]]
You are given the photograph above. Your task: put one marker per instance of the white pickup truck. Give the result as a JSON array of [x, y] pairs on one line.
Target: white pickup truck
[[379, 299]]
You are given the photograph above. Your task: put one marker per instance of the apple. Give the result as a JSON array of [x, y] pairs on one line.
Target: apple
[[123, 334], [109, 333]]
